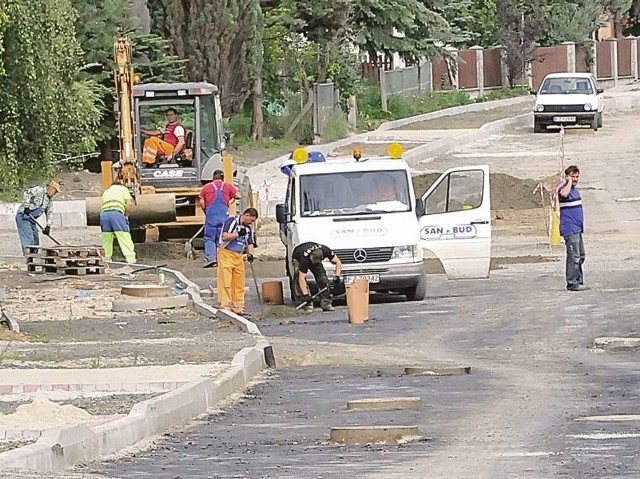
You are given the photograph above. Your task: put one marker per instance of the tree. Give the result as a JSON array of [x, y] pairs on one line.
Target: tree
[[407, 27], [517, 33], [219, 39], [97, 25], [619, 9], [47, 112], [571, 22]]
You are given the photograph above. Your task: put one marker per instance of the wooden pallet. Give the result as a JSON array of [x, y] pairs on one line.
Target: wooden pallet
[[65, 270], [64, 262], [65, 251]]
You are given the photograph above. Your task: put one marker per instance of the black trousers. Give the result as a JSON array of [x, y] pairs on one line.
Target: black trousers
[[320, 275]]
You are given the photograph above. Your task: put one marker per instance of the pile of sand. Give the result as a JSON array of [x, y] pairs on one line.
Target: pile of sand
[[43, 414]]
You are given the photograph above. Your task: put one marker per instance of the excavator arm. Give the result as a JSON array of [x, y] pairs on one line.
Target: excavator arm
[[124, 79]]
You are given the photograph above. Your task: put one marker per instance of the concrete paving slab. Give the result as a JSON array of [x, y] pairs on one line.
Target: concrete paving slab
[[383, 404], [357, 435]]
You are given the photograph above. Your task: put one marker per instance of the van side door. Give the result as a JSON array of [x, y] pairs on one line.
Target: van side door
[[456, 225]]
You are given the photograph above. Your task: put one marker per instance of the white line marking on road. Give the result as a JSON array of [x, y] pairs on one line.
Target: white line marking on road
[[615, 435], [614, 417], [628, 199], [506, 154], [528, 454]]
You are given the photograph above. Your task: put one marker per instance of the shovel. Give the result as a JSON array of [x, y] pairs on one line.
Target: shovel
[[188, 246], [255, 283], [42, 230], [303, 304]]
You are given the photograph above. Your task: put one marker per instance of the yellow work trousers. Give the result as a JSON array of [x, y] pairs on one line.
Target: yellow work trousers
[[231, 279], [154, 147], [124, 241]]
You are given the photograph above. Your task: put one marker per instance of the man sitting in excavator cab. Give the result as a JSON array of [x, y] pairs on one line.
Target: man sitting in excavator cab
[[174, 146]]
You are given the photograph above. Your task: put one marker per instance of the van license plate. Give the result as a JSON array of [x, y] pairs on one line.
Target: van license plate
[[372, 278], [562, 119]]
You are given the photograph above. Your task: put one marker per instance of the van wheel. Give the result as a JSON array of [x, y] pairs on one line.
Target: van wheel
[[594, 122], [419, 291], [600, 120]]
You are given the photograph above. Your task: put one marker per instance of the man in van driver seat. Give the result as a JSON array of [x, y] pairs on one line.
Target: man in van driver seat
[[308, 257]]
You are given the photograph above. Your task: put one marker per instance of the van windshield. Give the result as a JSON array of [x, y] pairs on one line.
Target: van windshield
[[354, 193], [566, 85]]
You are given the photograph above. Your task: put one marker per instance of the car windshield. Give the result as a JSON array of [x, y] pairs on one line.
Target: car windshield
[[354, 193], [566, 85]]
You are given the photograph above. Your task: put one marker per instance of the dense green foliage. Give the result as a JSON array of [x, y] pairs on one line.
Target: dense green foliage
[[56, 88]]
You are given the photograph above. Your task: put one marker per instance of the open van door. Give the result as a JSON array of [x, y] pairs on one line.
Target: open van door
[[456, 225]]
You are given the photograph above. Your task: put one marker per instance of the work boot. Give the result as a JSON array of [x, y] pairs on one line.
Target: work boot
[[325, 304], [580, 287], [308, 308], [210, 264]]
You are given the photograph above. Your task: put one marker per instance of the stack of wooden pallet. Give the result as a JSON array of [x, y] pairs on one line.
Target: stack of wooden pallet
[[65, 260]]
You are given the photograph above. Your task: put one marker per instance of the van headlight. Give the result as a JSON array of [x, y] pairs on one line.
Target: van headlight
[[540, 108], [409, 251], [587, 106]]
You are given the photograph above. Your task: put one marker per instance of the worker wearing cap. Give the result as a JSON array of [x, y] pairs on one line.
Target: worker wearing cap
[[116, 200], [35, 201], [215, 198]]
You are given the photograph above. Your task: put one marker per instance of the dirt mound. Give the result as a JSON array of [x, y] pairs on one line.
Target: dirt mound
[[78, 185], [507, 192]]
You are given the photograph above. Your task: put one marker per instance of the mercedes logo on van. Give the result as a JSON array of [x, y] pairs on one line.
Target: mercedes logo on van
[[360, 255]]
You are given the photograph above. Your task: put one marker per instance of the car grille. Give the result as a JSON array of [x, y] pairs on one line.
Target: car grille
[[564, 108], [373, 255], [354, 272]]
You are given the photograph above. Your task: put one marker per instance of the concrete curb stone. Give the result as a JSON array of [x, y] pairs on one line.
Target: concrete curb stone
[[63, 447]]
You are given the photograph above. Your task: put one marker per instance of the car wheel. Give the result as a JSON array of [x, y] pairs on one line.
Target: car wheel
[[538, 127], [600, 120], [419, 291], [594, 122]]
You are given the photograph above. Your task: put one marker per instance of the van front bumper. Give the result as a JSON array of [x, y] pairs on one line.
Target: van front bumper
[[393, 276]]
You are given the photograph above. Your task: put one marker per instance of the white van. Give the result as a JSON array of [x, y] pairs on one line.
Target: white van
[[367, 213]]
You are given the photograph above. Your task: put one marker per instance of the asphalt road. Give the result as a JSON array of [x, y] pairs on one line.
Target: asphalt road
[[534, 375]]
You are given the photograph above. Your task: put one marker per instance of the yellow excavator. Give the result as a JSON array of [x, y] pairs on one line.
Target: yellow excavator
[[166, 193]]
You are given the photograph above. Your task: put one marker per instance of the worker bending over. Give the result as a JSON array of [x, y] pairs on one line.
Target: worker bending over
[[237, 234], [308, 257], [215, 198], [170, 145], [116, 201], [35, 201]]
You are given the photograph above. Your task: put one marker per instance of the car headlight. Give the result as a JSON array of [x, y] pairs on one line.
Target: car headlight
[[587, 106], [410, 251], [540, 108]]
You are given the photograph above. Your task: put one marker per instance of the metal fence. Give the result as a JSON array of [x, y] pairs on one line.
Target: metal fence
[[326, 106], [413, 80]]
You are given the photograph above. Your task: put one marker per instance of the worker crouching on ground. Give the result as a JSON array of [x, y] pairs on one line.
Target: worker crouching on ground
[[237, 234], [116, 201], [215, 198], [308, 257], [35, 201]]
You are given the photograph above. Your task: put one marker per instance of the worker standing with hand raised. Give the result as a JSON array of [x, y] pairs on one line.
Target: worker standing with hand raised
[[572, 228], [215, 198], [308, 257]]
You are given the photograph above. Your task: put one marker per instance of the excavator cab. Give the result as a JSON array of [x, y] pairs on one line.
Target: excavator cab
[[198, 111]]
